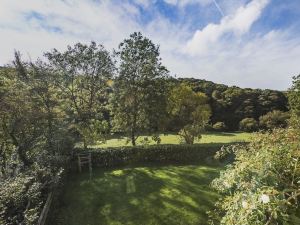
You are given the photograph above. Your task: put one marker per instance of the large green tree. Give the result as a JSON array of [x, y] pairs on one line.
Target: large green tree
[[190, 110], [32, 119], [84, 74], [138, 100]]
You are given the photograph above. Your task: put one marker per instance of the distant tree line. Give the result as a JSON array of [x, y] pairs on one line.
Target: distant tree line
[[230, 105]]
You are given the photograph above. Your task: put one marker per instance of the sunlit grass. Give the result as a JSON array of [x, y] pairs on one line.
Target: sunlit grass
[[211, 137], [143, 195]]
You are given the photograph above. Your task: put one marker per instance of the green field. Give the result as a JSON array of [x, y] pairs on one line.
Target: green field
[[170, 195], [210, 137]]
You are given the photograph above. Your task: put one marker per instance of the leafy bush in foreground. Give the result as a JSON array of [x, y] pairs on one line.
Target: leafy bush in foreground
[[22, 197], [263, 185]]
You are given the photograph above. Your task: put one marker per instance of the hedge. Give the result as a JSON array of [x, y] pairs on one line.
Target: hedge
[[110, 157]]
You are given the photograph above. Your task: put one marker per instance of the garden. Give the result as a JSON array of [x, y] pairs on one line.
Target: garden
[[151, 194], [92, 137]]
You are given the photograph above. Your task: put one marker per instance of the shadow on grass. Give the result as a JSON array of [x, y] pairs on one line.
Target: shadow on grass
[[161, 195], [221, 134]]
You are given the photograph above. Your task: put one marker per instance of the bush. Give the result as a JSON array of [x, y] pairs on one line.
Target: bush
[[274, 119], [153, 153], [22, 197], [220, 126], [263, 185], [248, 125]]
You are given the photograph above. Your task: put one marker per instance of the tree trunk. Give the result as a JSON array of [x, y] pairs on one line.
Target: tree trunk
[[84, 144], [133, 138]]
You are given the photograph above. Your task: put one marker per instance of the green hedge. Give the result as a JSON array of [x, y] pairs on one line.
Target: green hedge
[[153, 153]]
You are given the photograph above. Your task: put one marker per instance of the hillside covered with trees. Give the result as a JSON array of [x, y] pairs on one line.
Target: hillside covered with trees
[[231, 105]]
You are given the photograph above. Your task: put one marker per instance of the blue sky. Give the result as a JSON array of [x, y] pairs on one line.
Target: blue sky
[[248, 43]]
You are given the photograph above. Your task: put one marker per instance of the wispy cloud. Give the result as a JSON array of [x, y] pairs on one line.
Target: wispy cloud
[[218, 7]]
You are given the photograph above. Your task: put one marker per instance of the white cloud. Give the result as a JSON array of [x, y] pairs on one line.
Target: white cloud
[[77, 20], [182, 3], [239, 23], [263, 61]]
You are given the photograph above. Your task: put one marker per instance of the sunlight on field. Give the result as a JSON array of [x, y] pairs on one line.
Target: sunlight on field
[[212, 137], [157, 194]]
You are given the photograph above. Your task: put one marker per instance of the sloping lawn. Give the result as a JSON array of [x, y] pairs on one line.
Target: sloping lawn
[[209, 137], [162, 195]]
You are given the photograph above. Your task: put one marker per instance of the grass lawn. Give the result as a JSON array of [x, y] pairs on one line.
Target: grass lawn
[[210, 137], [156, 195]]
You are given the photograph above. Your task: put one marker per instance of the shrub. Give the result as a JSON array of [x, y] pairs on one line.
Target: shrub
[[263, 185], [274, 119], [248, 125], [22, 197], [153, 153], [220, 126]]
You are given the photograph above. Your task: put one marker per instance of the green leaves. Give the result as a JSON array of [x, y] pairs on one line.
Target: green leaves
[[190, 110], [138, 100], [294, 100], [260, 187], [85, 73]]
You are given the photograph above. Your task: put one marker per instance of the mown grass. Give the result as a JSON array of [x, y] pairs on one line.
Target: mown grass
[[210, 137], [162, 195]]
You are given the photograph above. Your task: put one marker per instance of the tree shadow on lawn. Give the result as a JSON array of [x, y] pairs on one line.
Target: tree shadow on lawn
[[162, 195], [222, 134]]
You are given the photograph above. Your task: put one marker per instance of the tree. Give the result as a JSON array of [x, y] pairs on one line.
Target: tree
[[274, 119], [22, 120], [190, 110], [138, 100], [294, 100], [84, 75], [32, 118], [248, 125]]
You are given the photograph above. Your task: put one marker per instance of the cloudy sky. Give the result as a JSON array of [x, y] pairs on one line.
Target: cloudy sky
[[248, 43]]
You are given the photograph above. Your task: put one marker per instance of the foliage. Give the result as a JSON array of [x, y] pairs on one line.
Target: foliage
[[117, 156], [248, 125], [294, 100], [31, 118], [138, 100], [219, 126], [274, 119], [22, 197], [233, 104], [35, 138], [84, 74], [190, 110], [262, 186]]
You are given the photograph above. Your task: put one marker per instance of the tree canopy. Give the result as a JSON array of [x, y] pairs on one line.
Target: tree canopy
[[139, 90], [190, 112]]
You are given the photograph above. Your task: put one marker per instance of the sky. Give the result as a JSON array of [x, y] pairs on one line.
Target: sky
[[246, 43]]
